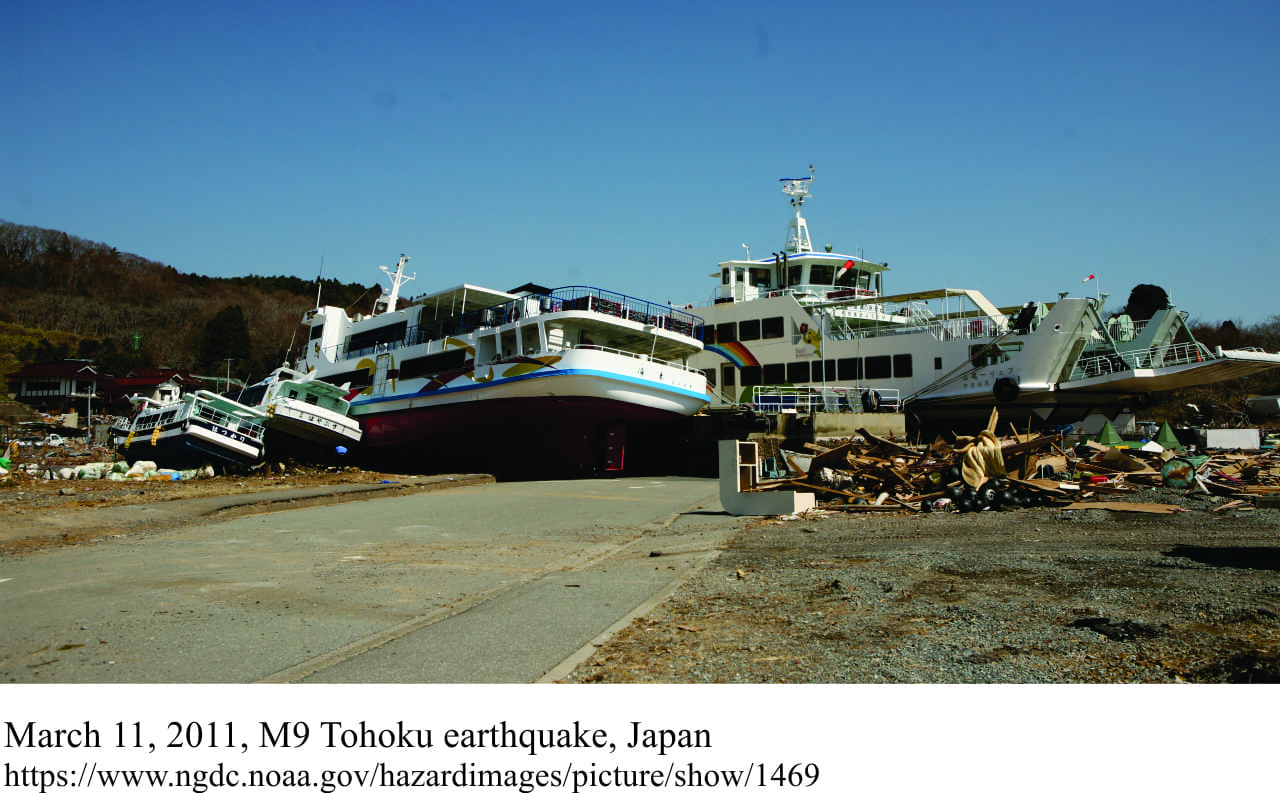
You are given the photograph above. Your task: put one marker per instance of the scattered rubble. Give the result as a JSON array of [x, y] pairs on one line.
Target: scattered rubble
[[969, 474]]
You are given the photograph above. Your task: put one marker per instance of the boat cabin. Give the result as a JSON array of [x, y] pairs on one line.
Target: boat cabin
[[798, 270], [807, 276]]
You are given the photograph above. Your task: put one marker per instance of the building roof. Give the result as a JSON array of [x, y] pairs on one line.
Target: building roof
[[57, 369]]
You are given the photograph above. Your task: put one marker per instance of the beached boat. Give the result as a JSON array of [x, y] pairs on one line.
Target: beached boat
[[197, 429], [576, 381], [814, 330], [304, 416]]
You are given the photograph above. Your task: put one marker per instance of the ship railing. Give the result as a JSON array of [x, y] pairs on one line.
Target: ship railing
[[209, 413], [1157, 357], [772, 400], [941, 329], [637, 355], [1123, 332], [150, 420], [587, 298], [570, 298]]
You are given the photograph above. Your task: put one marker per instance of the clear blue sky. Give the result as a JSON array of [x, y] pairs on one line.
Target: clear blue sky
[[1013, 147]]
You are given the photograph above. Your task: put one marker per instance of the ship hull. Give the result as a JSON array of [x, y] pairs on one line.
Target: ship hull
[[189, 444], [549, 437], [569, 424]]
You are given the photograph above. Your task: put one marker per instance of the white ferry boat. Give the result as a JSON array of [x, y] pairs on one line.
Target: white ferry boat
[[532, 382], [808, 329]]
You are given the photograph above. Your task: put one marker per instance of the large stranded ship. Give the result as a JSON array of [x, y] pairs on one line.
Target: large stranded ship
[[532, 382], [815, 329]]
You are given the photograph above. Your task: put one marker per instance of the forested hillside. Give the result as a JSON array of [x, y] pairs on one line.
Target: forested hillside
[[66, 297]]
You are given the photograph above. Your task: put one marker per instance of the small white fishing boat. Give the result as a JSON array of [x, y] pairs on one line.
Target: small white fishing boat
[[197, 429], [303, 415]]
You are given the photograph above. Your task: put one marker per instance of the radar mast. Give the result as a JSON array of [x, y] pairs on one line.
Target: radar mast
[[798, 232]]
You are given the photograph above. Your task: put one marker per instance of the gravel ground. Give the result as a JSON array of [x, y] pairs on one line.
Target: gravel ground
[[1040, 595]]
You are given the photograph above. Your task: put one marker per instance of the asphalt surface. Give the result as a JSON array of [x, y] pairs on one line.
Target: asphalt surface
[[499, 582]]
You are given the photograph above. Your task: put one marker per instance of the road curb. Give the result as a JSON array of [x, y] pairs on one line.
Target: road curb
[[356, 493]]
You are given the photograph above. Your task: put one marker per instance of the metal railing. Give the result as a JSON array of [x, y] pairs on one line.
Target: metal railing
[[826, 399], [569, 298], [184, 411], [1151, 358], [941, 329]]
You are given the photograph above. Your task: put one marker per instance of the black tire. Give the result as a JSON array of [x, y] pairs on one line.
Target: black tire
[[1005, 390]]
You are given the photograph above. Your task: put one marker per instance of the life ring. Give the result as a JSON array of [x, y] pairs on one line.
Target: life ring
[[513, 314], [1005, 390], [870, 401]]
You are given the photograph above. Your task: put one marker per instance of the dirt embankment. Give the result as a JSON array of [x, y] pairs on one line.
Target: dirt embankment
[[79, 509]]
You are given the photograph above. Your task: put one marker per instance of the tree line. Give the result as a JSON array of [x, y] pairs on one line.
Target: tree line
[[66, 297]]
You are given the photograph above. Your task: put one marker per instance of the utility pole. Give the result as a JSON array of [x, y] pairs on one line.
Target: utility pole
[[229, 360]]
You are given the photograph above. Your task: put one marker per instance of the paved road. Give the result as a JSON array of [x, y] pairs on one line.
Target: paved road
[[492, 583]]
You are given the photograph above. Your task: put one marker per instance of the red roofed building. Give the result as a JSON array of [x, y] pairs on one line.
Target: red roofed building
[[72, 385]]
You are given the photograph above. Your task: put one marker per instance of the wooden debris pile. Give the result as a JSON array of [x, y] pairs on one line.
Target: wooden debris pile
[[966, 474], [877, 474]]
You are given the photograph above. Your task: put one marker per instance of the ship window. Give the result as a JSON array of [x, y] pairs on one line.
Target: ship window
[[902, 365], [822, 274], [937, 363], [749, 330], [772, 328], [728, 375], [388, 334], [798, 372], [313, 399], [251, 396], [710, 374], [761, 276], [751, 375], [878, 367], [726, 332], [775, 373], [819, 375], [724, 275], [358, 378], [316, 330], [850, 369], [431, 365], [986, 355], [794, 273]]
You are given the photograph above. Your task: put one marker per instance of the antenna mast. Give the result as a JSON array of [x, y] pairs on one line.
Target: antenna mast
[[798, 233], [398, 278], [320, 281]]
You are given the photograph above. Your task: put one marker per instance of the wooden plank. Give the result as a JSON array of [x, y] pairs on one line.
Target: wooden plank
[[1025, 446], [902, 450]]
